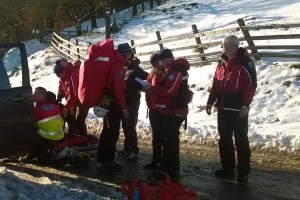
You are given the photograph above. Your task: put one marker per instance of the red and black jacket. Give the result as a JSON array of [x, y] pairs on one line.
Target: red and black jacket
[[234, 82], [168, 89]]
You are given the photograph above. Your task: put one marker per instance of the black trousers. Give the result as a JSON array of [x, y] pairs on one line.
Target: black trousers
[[170, 132], [77, 125], [229, 125], [110, 134], [156, 123], [129, 128]]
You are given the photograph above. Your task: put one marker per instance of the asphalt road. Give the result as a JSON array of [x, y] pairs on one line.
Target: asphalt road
[[197, 173]]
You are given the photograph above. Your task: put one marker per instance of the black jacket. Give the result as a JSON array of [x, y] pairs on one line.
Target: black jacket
[[133, 88]]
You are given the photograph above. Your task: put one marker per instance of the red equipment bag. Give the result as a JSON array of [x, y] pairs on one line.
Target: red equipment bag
[[94, 71], [162, 189]]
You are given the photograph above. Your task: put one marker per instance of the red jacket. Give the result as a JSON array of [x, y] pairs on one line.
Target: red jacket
[[68, 85], [168, 89], [234, 83], [116, 82], [155, 77]]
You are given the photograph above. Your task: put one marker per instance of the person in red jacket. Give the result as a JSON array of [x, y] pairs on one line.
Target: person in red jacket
[[73, 113], [155, 77], [233, 88], [49, 126], [112, 120], [172, 117]]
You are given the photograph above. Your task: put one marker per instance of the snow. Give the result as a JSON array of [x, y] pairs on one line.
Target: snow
[[274, 118]]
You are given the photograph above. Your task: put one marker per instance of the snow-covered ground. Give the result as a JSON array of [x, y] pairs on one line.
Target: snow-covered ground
[[274, 116]]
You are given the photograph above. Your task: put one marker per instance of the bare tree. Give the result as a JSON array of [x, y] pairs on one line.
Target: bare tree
[[134, 7]]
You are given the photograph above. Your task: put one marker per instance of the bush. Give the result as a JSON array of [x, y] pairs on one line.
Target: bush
[[295, 66]]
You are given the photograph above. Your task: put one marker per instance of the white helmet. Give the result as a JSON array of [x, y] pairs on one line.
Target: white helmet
[[100, 112]]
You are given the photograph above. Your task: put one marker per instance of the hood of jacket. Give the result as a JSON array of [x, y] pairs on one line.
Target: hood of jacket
[[178, 62]]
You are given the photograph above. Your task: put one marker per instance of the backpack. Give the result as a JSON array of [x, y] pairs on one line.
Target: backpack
[[184, 95], [94, 72], [157, 186]]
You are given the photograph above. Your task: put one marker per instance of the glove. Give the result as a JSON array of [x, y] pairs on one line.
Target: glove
[[125, 114], [244, 112], [208, 109]]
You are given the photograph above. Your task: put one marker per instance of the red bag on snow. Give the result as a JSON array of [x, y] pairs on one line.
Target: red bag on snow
[[162, 189], [94, 72]]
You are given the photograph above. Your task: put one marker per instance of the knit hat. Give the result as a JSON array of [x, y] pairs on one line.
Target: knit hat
[[58, 67], [154, 59], [231, 39], [165, 53], [124, 49]]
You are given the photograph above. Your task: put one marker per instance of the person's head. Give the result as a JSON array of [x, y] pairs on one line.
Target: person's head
[[40, 95], [154, 61], [230, 45], [51, 97], [126, 51], [59, 66], [165, 57]]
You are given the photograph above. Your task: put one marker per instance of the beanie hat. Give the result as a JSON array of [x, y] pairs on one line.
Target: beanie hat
[[154, 59], [58, 67], [232, 39], [165, 53], [124, 49]]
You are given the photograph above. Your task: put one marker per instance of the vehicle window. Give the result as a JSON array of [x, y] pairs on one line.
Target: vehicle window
[[10, 68]]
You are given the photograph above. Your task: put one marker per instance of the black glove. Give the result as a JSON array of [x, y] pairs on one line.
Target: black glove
[[208, 109]]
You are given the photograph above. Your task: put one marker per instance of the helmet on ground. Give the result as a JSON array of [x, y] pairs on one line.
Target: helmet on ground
[[99, 111]]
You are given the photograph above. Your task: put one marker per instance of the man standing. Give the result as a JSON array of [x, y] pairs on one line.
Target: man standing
[[173, 113], [133, 96], [74, 112], [233, 88]]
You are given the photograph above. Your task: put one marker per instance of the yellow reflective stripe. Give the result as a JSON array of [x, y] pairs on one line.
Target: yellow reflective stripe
[[49, 118], [51, 135]]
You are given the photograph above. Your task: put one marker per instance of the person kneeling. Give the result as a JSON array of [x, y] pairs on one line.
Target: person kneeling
[[49, 125]]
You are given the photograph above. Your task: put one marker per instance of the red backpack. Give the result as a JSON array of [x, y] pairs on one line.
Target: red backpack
[[94, 72], [161, 189]]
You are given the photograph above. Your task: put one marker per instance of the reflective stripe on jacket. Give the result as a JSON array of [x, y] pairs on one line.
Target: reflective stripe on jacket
[[51, 128]]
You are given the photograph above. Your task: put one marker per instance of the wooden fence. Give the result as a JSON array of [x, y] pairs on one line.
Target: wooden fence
[[200, 49]]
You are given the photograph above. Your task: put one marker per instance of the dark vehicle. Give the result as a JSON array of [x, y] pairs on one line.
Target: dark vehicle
[[17, 126]]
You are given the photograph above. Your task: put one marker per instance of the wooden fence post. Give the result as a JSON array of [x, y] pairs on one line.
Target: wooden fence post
[[161, 46], [69, 47], [61, 42], [78, 56], [248, 39], [198, 41], [133, 49]]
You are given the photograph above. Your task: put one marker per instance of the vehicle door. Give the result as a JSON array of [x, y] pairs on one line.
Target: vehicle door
[[17, 125]]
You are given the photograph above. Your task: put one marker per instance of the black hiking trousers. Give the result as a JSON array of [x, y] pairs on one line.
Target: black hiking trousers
[[229, 125], [170, 132], [129, 127], [110, 134], [156, 123]]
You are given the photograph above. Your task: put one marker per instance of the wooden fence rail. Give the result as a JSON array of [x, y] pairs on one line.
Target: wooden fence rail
[[199, 48]]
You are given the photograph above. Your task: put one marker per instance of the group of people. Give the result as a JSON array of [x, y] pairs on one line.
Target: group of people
[[232, 91]]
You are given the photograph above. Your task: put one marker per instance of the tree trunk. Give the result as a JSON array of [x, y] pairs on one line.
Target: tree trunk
[[134, 8], [107, 24], [92, 13], [151, 4]]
